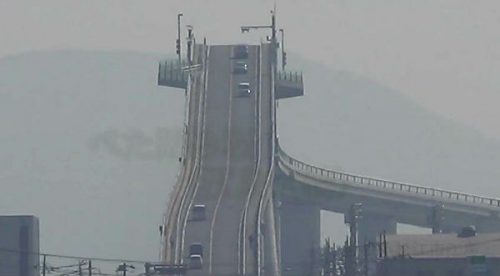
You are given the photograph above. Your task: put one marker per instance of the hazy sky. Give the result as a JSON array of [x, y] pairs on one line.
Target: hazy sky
[[445, 54]]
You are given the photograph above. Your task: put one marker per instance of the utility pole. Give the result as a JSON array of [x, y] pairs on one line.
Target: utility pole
[[385, 245], [348, 258], [80, 272], [273, 36], [380, 246], [90, 267], [352, 218], [44, 265]]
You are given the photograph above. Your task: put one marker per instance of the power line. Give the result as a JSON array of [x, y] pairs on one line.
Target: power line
[[73, 257]]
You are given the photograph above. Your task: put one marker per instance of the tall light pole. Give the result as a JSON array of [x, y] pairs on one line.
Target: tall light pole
[[178, 44], [274, 43]]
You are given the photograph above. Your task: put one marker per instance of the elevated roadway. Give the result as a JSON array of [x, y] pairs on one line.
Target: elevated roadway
[[227, 163], [400, 202], [303, 190]]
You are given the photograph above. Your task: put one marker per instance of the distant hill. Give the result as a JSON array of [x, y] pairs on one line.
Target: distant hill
[[89, 143]]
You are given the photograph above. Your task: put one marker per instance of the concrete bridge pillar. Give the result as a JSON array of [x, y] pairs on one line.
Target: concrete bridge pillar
[[371, 225], [299, 224]]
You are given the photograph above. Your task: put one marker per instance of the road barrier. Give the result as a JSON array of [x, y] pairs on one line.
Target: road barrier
[[333, 176]]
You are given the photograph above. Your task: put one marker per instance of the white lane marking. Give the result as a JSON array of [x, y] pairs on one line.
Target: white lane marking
[[226, 176]]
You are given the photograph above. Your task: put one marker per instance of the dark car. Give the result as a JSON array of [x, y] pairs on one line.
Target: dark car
[[240, 51], [195, 261], [198, 212], [244, 89], [240, 67], [196, 249]]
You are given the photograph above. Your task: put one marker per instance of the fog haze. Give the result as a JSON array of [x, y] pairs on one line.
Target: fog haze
[[399, 90]]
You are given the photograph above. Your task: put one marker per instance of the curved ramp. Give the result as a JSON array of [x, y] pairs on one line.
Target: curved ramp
[[406, 203]]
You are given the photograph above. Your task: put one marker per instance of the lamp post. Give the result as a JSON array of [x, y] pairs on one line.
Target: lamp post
[[273, 34], [178, 44]]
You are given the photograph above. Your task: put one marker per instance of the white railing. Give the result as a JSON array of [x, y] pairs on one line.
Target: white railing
[[333, 176]]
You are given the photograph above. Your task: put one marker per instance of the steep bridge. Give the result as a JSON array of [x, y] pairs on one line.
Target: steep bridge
[[262, 206]]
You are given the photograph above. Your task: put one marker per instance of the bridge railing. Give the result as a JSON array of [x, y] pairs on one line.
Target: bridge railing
[[296, 77], [331, 176], [171, 73]]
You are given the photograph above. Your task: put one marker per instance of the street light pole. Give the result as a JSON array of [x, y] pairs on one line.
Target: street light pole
[[274, 44], [273, 36], [179, 36]]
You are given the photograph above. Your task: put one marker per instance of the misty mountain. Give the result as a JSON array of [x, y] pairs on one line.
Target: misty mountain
[[89, 143]]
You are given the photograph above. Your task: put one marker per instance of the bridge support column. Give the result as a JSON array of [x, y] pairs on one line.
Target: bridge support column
[[299, 238], [371, 225]]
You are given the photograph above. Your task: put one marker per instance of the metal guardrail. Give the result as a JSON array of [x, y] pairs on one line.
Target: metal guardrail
[[171, 71], [290, 76], [330, 175]]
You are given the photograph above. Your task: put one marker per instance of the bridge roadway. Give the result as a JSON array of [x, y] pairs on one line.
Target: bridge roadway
[[225, 173], [387, 201]]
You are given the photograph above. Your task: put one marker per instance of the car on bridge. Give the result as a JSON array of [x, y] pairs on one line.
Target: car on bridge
[[196, 249], [240, 51], [195, 261], [198, 212], [240, 67], [244, 89]]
